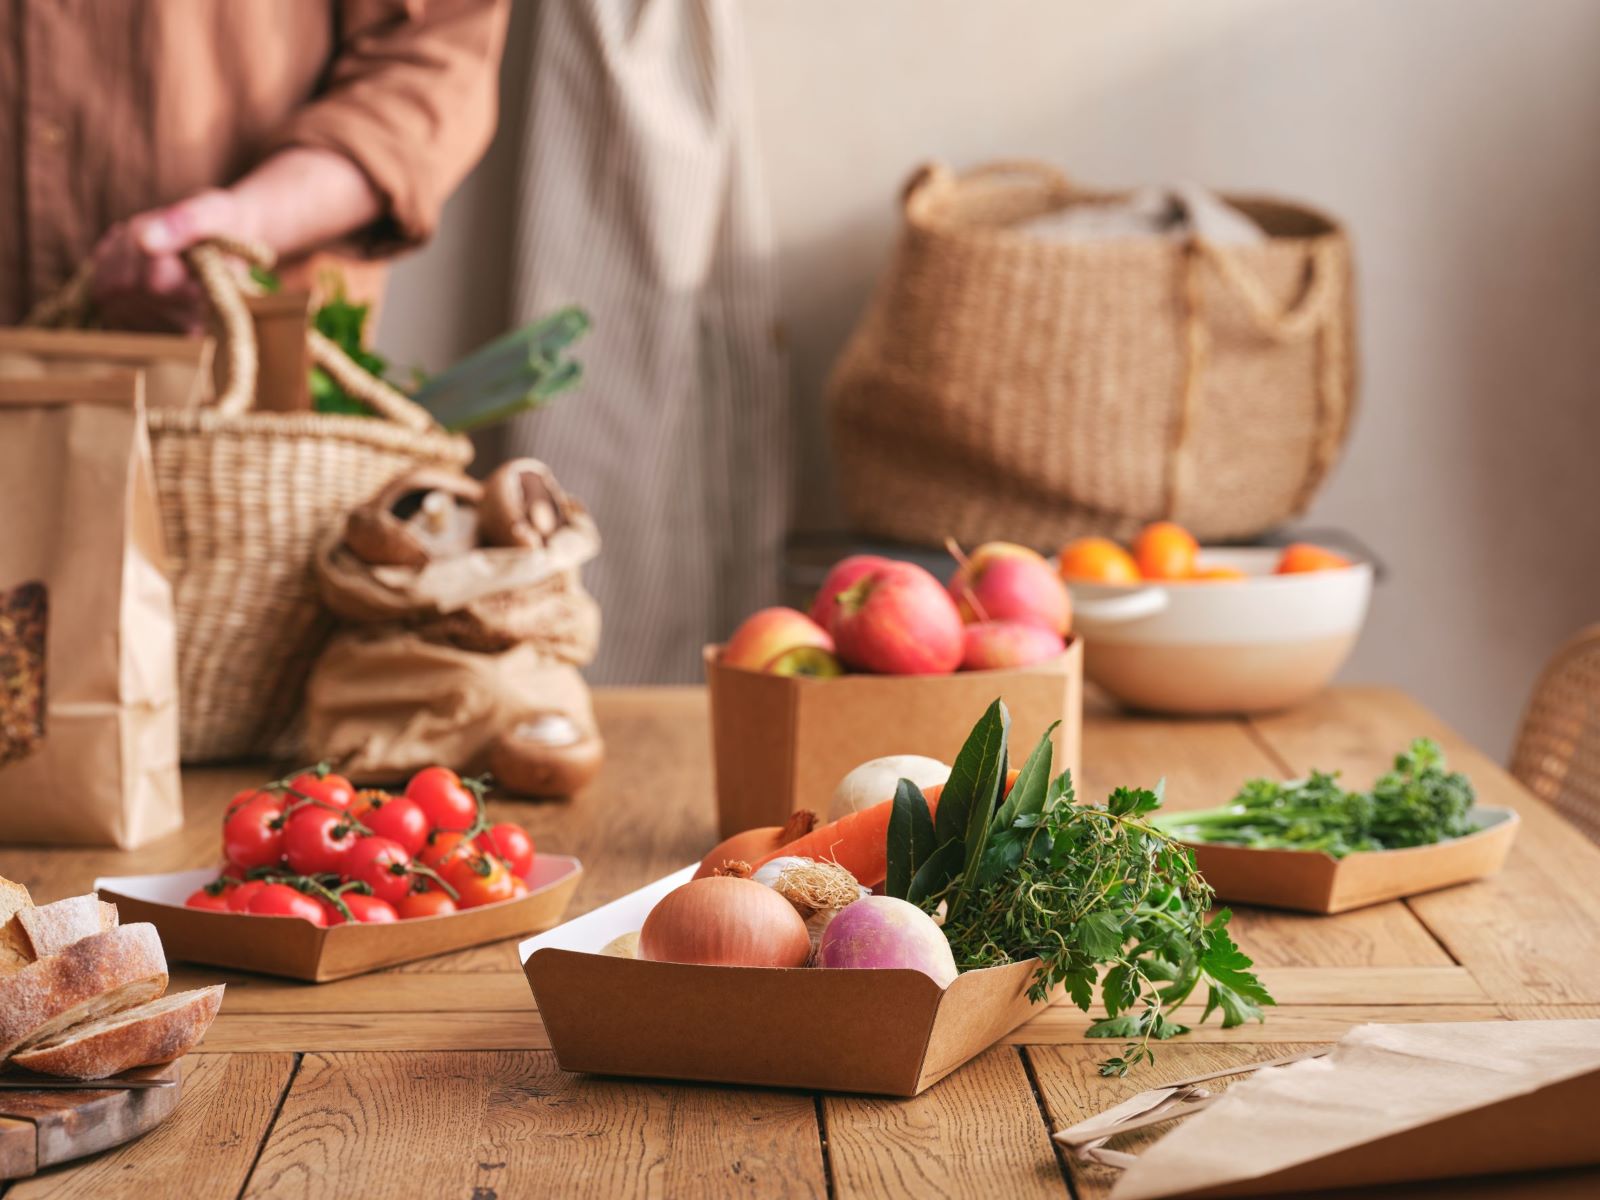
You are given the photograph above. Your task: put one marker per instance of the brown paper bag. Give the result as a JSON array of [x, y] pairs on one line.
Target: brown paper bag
[[1388, 1104], [383, 703], [177, 370], [88, 675]]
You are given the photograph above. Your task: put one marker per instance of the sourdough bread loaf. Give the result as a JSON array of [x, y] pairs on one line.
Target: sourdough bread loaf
[[155, 1032], [94, 976], [51, 928]]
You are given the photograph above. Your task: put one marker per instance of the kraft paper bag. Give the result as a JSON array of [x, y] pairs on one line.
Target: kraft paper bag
[[88, 657], [177, 370], [1388, 1104], [383, 703]]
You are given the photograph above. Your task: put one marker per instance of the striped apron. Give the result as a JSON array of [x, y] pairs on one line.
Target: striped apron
[[642, 202]]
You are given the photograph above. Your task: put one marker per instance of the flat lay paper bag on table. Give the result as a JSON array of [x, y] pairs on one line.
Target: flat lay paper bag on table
[[1390, 1104], [88, 677]]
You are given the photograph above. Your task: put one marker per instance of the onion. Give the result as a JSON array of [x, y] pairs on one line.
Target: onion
[[874, 782], [881, 931], [755, 844], [724, 921]]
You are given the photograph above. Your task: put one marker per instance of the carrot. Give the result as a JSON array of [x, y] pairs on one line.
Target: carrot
[[859, 841]]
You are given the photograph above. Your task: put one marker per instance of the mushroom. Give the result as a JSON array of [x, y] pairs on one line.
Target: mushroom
[[546, 754], [415, 519], [523, 505]]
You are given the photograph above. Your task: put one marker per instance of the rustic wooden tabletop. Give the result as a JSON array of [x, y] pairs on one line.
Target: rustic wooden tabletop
[[435, 1079]]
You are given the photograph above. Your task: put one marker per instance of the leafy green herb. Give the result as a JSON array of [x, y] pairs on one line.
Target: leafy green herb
[[342, 322], [1417, 803], [1080, 887]]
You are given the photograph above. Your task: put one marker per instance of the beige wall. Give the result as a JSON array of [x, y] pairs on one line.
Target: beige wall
[[1459, 139]]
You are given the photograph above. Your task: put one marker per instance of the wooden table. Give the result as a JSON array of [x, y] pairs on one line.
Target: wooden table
[[435, 1079]]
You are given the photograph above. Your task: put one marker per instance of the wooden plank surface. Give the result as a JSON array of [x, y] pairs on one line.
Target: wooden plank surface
[[977, 1136], [434, 1078], [513, 1124], [205, 1148], [1531, 935]]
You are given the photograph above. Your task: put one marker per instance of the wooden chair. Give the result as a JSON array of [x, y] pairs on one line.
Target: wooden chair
[[1557, 753]]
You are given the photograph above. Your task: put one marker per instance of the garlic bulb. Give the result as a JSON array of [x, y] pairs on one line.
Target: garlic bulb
[[874, 782], [818, 890]]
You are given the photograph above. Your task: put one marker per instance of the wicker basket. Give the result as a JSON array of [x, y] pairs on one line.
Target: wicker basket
[[1004, 386], [245, 497]]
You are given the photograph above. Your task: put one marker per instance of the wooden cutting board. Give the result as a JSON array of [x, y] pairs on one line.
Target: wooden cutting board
[[43, 1128]]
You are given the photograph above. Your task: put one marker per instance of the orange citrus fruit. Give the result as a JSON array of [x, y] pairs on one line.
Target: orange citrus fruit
[[1217, 574], [1303, 556], [1165, 551], [1097, 560]]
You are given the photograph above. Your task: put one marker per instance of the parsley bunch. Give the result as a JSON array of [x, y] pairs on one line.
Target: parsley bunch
[[1082, 888], [1416, 803]]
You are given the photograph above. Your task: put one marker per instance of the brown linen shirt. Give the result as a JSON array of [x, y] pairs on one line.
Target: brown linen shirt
[[109, 108]]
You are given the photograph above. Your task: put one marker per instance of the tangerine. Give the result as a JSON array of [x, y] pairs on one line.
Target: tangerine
[[1217, 574], [1097, 560], [1303, 556], [1164, 550]]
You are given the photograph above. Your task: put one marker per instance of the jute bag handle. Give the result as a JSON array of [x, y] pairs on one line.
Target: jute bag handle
[[241, 364]]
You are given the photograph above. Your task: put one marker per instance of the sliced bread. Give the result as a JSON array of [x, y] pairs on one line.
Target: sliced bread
[[51, 928], [13, 941], [156, 1032], [100, 974]]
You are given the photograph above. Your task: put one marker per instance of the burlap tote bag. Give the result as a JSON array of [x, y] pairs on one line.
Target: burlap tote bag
[[1005, 386]]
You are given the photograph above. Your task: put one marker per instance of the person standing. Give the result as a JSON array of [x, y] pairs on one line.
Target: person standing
[[330, 131]]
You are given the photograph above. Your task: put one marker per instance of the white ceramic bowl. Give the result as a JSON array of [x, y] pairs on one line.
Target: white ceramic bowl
[[1224, 646]]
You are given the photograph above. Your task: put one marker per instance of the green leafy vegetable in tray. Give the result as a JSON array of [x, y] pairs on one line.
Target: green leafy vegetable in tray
[[1081, 887], [1417, 803]]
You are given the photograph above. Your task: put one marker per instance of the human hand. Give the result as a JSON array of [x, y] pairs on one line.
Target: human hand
[[140, 278]]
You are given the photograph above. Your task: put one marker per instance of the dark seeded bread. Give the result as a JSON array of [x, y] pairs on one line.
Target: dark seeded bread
[[157, 1032], [100, 974]]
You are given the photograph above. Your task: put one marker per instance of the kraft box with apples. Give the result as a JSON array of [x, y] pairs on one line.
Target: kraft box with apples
[[889, 661]]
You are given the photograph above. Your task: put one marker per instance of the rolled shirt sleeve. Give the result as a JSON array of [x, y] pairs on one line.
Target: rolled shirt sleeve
[[411, 97]]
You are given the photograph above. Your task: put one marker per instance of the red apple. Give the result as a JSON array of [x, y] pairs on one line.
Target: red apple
[[1002, 582], [810, 661], [769, 634], [993, 645], [840, 577], [898, 620]]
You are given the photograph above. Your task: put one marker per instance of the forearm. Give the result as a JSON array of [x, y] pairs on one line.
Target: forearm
[[301, 198]]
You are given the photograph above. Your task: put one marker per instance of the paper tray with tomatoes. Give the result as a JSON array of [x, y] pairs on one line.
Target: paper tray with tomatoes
[[297, 949]]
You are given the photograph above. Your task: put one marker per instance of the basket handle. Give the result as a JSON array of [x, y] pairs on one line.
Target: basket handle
[[1288, 323], [241, 363], [936, 172]]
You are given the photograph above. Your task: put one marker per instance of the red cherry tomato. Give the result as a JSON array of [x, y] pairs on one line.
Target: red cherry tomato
[[479, 879], [443, 847], [315, 840], [519, 887], [209, 901], [368, 910], [252, 836], [281, 900], [240, 799], [444, 799], [428, 903], [382, 864], [239, 898], [333, 790], [395, 817], [511, 843]]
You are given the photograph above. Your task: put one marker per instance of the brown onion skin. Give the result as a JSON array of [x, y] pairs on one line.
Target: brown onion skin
[[722, 921]]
